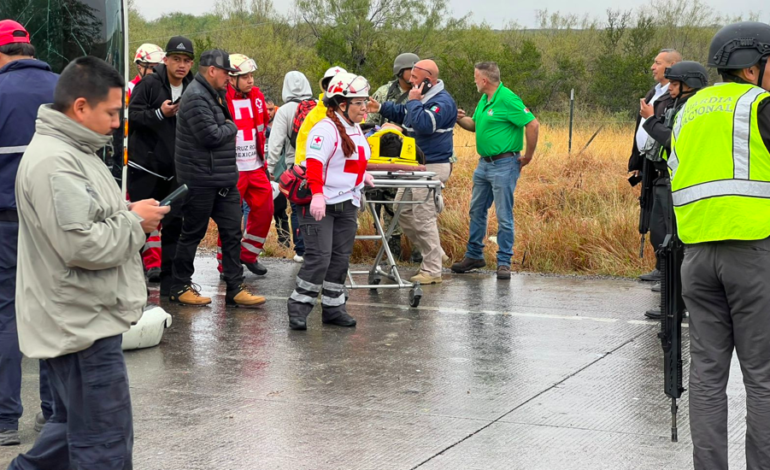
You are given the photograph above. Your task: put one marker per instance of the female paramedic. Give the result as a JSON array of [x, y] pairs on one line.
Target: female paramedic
[[337, 153]]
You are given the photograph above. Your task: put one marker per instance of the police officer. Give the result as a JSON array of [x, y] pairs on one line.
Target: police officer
[[720, 178], [685, 79], [337, 154]]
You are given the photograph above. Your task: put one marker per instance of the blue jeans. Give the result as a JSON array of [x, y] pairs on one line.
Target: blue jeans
[[493, 182], [91, 428], [10, 355]]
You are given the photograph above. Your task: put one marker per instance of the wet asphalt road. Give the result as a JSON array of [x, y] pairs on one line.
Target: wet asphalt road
[[532, 373]]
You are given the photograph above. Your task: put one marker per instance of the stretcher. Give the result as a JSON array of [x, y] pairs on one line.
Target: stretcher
[[384, 265]]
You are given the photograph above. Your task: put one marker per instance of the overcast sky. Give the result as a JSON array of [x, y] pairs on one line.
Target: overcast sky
[[495, 12]]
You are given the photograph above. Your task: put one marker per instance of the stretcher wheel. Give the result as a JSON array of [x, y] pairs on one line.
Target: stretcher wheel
[[415, 295]]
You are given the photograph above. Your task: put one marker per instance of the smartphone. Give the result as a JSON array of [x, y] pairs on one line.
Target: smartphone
[[426, 86], [176, 195], [176, 101]]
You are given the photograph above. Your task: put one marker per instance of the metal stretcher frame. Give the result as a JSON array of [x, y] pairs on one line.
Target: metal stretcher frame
[[384, 265]]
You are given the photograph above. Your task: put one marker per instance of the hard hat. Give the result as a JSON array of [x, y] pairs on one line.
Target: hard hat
[[332, 71], [149, 54], [688, 72], [241, 63], [348, 85], [404, 61], [739, 45]]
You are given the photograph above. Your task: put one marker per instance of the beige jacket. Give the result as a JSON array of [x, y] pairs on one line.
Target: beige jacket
[[79, 275]]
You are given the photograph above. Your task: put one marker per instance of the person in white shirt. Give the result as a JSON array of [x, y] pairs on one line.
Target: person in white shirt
[[654, 104], [337, 155]]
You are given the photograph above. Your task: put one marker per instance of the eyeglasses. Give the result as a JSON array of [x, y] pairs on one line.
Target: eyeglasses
[[424, 70], [359, 103]]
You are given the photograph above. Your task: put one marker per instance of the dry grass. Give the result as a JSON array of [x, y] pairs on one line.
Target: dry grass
[[573, 213]]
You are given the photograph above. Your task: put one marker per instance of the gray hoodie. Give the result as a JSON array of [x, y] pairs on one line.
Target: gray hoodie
[[296, 88], [80, 275]]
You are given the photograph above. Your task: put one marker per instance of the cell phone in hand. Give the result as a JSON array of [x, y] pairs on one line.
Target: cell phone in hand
[[173, 197], [176, 101]]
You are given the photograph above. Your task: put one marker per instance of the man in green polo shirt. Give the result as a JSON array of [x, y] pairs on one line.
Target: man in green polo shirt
[[500, 121]]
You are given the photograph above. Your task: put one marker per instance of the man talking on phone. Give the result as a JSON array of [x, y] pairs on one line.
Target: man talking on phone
[[429, 116], [151, 143]]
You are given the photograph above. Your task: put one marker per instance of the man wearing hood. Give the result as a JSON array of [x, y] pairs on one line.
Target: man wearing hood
[[296, 88], [151, 141]]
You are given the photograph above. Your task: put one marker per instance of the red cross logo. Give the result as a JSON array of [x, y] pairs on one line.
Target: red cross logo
[[318, 140], [357, 166]]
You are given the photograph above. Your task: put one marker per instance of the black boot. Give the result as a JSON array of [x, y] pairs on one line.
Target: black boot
[[342, 320], [255, 267], [296, 323], [395, 246]]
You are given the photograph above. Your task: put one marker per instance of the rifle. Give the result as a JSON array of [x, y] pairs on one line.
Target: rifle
[[645, 200], [672, 254]]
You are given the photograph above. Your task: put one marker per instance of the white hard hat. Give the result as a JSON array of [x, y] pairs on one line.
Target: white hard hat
[[149, 54], [348, 85], [243, 64], [332, 71]]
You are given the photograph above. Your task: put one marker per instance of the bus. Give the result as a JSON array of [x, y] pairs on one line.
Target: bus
[[63, 30]]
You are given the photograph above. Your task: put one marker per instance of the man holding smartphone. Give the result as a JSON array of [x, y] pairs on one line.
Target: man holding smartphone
[[429, 116], [151, 144]]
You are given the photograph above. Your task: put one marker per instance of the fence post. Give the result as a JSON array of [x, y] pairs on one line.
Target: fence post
[[571, 116]]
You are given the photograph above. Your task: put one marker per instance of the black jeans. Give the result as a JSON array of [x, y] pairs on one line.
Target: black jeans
[[142, 185], [224, 206], [92, 426]]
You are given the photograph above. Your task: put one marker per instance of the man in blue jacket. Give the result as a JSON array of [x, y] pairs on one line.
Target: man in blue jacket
[[429, 116], [25, 84]]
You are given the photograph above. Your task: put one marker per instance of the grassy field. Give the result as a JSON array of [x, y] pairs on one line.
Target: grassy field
[[574, 213]]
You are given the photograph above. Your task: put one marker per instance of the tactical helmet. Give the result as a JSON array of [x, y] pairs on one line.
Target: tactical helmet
[[688, 72], [404, 61], [348, 85], [739, 45], [242, 64], [149, 54]]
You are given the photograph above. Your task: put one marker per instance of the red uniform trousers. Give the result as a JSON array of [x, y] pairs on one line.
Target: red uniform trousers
[[257, 191]]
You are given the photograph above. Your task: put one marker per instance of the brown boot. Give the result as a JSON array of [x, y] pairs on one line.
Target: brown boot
[[243, 298], [190, 295]]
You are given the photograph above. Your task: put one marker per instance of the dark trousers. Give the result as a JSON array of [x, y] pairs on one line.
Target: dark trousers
[[224, 206], [281, 220], [10, 355], [660, 218], [142, 185], [726, 288], [299, 241], [92, 427], [328, 245]]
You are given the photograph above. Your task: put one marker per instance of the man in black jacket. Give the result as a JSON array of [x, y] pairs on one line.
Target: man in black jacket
[[205, 162], [657, 99], [151, 141]]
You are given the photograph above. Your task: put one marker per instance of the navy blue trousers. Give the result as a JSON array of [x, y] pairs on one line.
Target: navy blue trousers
[[10, 356], [91, 428]]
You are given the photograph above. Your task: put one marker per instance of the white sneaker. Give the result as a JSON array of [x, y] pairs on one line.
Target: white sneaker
[[299, 259]]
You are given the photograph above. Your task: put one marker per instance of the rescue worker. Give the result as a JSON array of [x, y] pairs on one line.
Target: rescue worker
[[25, 84], [337, 154], [396, 91], [720, 182], [206, 162], [146, 58], [296, 88], [80, 279], [247, 106], [151, 145], [685, 79], [429, 116]]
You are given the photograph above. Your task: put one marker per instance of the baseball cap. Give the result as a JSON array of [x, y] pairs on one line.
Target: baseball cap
[[180, 45], [12, 32], [217, 58]]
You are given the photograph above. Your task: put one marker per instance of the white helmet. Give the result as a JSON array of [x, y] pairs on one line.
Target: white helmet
[[243, 64], [332, 71], [149, 54], [348, 85]]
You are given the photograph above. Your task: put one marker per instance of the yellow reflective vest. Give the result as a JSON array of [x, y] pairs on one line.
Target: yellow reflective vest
[[720, 166]]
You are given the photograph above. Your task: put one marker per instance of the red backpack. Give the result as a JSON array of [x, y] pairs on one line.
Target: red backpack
[[303, 109]]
